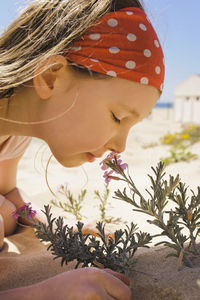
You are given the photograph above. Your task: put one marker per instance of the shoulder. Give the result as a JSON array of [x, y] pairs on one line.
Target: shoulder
[[11, 150], [13, 146]]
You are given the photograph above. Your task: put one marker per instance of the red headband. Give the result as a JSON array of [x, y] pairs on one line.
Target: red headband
[[122, 44]]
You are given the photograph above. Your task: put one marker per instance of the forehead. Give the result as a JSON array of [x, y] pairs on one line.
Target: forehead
[[136, 98], [132, 97]]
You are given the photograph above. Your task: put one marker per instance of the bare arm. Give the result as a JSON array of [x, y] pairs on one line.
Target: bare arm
[[8, 170], [28, 293], [80, 284], [8, 174]]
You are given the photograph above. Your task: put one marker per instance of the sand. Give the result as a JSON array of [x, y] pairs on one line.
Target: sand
[[154, 276]]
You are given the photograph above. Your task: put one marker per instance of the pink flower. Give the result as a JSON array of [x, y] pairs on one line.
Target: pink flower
[[122, 166], [15, 215], [113, 162], [63, 189], [31, 213], [113, 158], [107, 176], [112, 155], [108, 159], [59, 188], [104, 164], [25, 211]]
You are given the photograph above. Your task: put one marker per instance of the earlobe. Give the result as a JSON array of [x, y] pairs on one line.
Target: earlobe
[[41, 86], [44, 81]]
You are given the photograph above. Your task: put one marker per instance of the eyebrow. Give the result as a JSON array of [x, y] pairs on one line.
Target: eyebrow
[[134, 113], [131, 111]]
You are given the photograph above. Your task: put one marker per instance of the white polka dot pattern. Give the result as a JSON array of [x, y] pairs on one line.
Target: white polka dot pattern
[[114, 50], [122, 44], [130, 64], [144, 80], [156, 44], [112, 73], [143, 27], [95, 36], [158, 70], [112, 22], [94, 59], [129, 13], [131, 37], [147, 53], [76, 48]]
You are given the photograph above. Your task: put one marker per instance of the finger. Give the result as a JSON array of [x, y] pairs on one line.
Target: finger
[[115, 287], [122, 277]]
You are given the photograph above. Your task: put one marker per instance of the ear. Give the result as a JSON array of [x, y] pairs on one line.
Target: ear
[[44, 81]]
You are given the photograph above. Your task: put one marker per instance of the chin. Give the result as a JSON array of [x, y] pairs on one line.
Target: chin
[[70, 162], [73, 161], [73, 165]]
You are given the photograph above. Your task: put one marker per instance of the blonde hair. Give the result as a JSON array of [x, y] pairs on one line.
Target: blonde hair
[[43, 29]]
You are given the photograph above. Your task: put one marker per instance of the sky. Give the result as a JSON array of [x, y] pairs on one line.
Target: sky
[[177, 23]]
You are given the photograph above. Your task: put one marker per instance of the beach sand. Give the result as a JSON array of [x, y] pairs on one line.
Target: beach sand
[[159, 278]]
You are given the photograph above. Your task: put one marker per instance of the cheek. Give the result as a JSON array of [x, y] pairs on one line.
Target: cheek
[[93, 133], [88, 127]]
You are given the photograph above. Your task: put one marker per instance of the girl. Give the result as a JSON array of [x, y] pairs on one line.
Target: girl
[[77, 74]]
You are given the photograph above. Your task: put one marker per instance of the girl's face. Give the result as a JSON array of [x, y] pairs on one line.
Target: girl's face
[[104, 112]]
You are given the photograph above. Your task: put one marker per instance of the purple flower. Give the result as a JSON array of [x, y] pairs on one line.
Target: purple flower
[[15, 215], [63, 189], [122, 166], [113, 158], [59, 188], [31, 213], [104, 164], [25, 211], [107, 176], [112, 155], [109, 158], [113, 162]]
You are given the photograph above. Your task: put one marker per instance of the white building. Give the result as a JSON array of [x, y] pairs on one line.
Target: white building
[[163, 111], [187, 100]]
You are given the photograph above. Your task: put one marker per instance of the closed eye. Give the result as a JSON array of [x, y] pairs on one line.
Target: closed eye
[[115, 118]]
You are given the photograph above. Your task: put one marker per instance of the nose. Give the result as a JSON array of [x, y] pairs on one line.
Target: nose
[[117, 143]]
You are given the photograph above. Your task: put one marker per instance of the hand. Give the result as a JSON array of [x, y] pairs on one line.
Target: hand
[[90, 228], [87, 283], [19, 198], [1, 231], [8, 223]]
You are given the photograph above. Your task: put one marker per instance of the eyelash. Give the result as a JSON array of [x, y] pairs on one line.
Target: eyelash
[[115, 118]]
